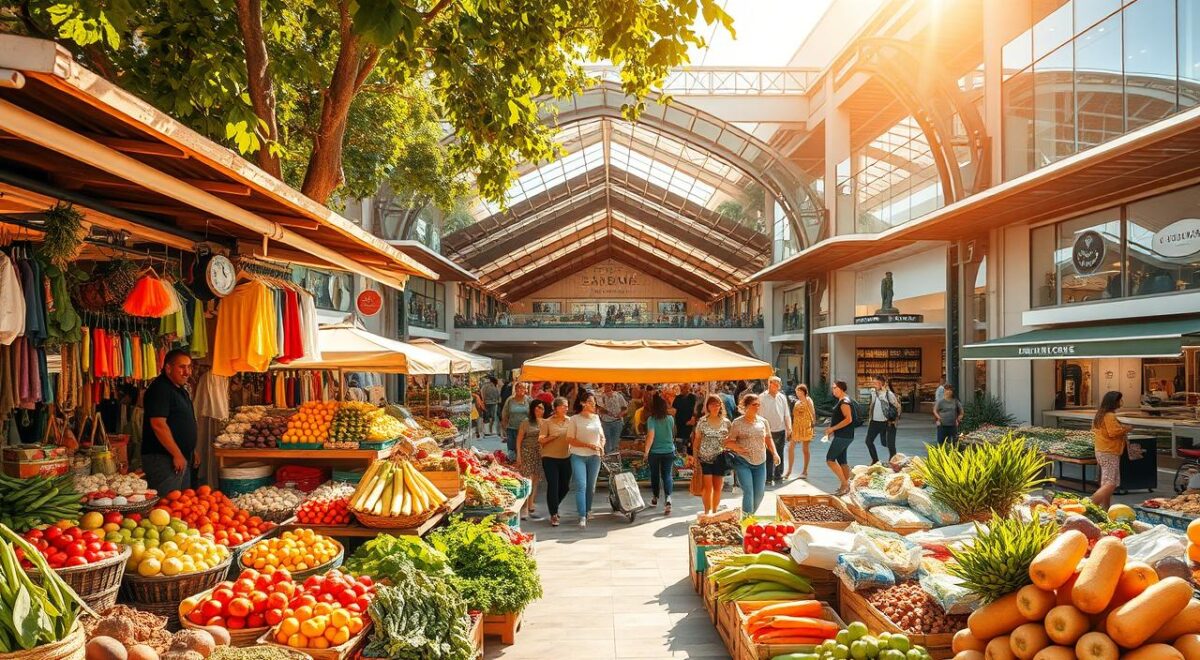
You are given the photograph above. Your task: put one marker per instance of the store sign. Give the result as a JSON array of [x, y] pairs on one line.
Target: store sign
[[1088, 252], [877, 319], [1046, 350], [369, 302], [606, 280], [1178, 239]]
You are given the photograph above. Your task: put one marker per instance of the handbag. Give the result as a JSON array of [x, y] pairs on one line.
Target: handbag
[[696, 487]]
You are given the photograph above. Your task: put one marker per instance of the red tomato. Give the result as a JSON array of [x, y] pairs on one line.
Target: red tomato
[[255, 620], [258, 600], [366, 579], [240, 607], [235, 623], [244, 586], [222, 595], [281, 575], [197, 617], [34, 534], [53, 533], [353, 607], [210, 608], [273, 617], [363, 603], [327, 598], [215, 621]]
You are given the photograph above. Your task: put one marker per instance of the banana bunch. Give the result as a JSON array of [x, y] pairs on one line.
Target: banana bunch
[[395, 488], [27, 503]]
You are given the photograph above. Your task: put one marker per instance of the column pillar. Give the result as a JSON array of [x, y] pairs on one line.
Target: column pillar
[[837, 149]]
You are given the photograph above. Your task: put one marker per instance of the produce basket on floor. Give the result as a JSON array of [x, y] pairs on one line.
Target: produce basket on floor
[[300, 576], [70, 647], [97, 584], [240, 637], [169, 590], [143, 507]]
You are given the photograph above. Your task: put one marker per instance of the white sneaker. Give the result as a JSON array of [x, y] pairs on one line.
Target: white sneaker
[[583, 522]]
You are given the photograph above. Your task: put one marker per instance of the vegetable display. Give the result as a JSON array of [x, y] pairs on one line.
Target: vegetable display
[[913, 610], [211, 512], [978, 480], [395, 488], [795, 622], [767, 537], [855, 642], [325, 612], [253, 600], [27, 503], [764, 576], [30, 614], [66, 545], [294, 550], [998, 560], [492, 574]]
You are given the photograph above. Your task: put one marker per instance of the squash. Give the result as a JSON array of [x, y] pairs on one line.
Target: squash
[[999, 649], [1193, 531], [1062, 595], [1055, 653], [1135, 579], [965, 641], [1065, 624], [1034, 602], [969, 654], [1154, 652], [998, 617], [1099, 576], [1056, 562], [1027, 640], [1096, 646], [1187, 622], [1189, 646], [1131, 624]]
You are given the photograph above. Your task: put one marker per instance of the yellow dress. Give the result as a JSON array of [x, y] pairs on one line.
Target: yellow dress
[[802, 421]]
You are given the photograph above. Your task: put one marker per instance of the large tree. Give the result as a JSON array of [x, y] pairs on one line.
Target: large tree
[[338, 96]]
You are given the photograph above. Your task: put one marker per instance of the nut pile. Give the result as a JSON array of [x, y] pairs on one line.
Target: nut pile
[[818, 513], [913, 610], [719, 533]]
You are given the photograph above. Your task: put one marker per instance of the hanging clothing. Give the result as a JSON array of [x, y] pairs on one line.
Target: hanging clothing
[[310, 327], [212, 396], [247, 332], [35, 309], [199, 337], [12, 302]]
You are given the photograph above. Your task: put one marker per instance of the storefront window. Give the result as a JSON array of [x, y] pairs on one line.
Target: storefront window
[[820, 303], [1150, 87], [1054, 103], [332, 290], [1164, 243], [1077, 261], [426, 303], [1098, 87], [792, 315], [1189, 53]]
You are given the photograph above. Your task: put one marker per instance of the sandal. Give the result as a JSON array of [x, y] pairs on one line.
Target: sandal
[[804, 476], [667, 509], [554, 521]]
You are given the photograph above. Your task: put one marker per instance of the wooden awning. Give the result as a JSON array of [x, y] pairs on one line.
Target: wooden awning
[[66, 129]]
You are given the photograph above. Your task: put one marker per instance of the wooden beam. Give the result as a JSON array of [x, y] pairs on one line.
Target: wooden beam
[[221, 187], [126, 145], [285, 220]]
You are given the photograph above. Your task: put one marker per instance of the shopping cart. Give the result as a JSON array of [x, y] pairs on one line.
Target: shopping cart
[[623, 491]]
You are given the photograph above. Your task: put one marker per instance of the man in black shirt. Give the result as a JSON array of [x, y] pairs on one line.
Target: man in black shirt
[[169, 426], [685, 416]]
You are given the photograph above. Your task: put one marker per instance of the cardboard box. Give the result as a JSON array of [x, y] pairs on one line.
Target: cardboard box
[[52, 467]]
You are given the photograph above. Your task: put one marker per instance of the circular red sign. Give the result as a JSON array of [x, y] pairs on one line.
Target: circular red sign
[[369, 302]]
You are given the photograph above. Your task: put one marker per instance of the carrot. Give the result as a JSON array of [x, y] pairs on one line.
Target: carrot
[[811, 608], [752, 606], [778, 637], [806, 622]]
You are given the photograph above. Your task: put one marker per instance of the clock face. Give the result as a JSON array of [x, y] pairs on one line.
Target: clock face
[[221, 275]]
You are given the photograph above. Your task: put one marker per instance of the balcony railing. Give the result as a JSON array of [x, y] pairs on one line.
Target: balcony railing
[[597, 321], [427, 313], [725, 81]]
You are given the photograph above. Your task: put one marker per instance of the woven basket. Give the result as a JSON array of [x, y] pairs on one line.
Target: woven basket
[[170, 590], [300, 576], [396, 522], [241, 637], [97, 584], [67, 648], [124, 509], [341, 652]]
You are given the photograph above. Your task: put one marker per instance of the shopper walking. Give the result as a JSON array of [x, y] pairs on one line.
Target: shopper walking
[[776, 412], [660, 451], [556, 457], [750, 441], [586, 437], [685, 415], [708, 448], [514, 411], [947, 414], [841, 428], [1112, 439], [529, 453], [885, 410], [490, 390], [169, 426], [804, 415], [612, 406]]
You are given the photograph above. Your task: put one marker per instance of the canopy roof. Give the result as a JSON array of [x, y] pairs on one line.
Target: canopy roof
[[1165, 338], [349, 347], [680, 194], [461, 361], [643, 361]]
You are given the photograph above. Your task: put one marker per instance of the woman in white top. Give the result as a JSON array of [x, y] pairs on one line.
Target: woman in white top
[[585, 435]]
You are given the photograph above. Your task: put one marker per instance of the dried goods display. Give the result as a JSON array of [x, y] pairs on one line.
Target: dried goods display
[[236, 428], [270, 502], [1186, 503], [725, 532], [911, 608], [818, 513], [131, 627], [115, 490], [267, 432]]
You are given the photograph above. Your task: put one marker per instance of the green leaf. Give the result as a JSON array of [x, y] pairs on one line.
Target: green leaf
[[26, 619]]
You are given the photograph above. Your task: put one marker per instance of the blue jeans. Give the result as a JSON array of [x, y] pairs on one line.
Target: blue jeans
[[510, 441], [753, 480], [584, 470], [661, 467], [161, 475], [612, 434]]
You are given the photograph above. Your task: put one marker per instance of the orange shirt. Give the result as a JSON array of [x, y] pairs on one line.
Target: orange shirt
[[245, 339], [1110, 435]]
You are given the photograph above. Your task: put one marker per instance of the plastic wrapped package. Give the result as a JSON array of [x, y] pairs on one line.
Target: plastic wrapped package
[[862, 572], [894, 514], [1159, 542], [896, 552], [947, 591], [922, 501], [892, 488], [820, 547], [962, 532]]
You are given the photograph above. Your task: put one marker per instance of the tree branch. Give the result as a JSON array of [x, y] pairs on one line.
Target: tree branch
[[324, 173], [364, 69], [259, 80], [435, 10]]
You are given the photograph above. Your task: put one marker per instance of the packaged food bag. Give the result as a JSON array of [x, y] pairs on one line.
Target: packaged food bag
[[948, 592], [820, 547], [893, 515], [1159, 542], [896, 552], [922, 501], [863, 572], [883, 489]]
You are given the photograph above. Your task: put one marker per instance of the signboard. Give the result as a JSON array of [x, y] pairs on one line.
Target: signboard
[[1088, 253], [1178, 239], [369, 302], [877, 319], [609, 280]]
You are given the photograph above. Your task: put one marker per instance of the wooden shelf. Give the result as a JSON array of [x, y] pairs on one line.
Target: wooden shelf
[[357, 530], [305, 454]]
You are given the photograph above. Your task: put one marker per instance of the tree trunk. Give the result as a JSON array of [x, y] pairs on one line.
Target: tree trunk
[[259, 80]]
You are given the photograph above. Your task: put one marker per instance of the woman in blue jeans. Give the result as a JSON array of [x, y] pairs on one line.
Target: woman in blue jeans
[[750, 441], [660, 450], [585, 435]]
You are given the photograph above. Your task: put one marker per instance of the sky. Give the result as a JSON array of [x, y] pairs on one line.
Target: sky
[[768, 32]]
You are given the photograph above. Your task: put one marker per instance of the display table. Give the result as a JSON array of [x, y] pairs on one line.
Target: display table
[[227, 456], [356, 530], [1141, 474], [1168, 429]]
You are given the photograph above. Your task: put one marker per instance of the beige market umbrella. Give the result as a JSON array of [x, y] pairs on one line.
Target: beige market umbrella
[[643, 361], [349, 347], [462, 361]]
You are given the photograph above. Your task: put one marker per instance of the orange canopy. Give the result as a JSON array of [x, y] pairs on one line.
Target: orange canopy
[[643, 361]]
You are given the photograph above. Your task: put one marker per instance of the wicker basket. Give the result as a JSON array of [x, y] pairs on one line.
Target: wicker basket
[[124, 509], [97, 584], [161, 589], [339, 652], [396, 522], [240, 637], [300, 576], [67, 648]]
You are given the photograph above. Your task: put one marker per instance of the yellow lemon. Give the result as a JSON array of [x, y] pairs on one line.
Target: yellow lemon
[[149, 567], [172, 566]]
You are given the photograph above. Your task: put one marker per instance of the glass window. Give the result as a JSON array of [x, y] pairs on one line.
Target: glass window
[[1090, 12], [1099, 96], [1189, 53], [1018, 53], [1164, 243], [1043, 281], [1087, 258], [1053, 28], [792, 315], [1017, 94], [1054, 105], [1150, 85]]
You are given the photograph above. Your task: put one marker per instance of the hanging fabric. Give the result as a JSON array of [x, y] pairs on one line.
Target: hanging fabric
[[12, 302], [199, 340], [246, 338]]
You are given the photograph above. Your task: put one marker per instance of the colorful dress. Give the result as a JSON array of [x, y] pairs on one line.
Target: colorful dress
[[529, 462]]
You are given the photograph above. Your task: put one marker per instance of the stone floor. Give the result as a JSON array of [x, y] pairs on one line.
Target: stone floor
[[621, 590]]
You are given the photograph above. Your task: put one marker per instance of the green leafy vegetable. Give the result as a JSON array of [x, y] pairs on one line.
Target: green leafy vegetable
[[387, 557], [492, 574], [420, 616]]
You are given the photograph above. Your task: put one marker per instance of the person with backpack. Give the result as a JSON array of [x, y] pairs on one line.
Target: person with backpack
[[842, 423], [885, 410]]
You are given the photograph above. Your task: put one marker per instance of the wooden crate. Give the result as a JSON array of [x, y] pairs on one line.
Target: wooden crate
[[698, 559], [728, 626], [748, 649], [708, 592], [784, 514], [504, 626], [824, 584], [865, 517], [447, 481], [477, 637], [854, 607]]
